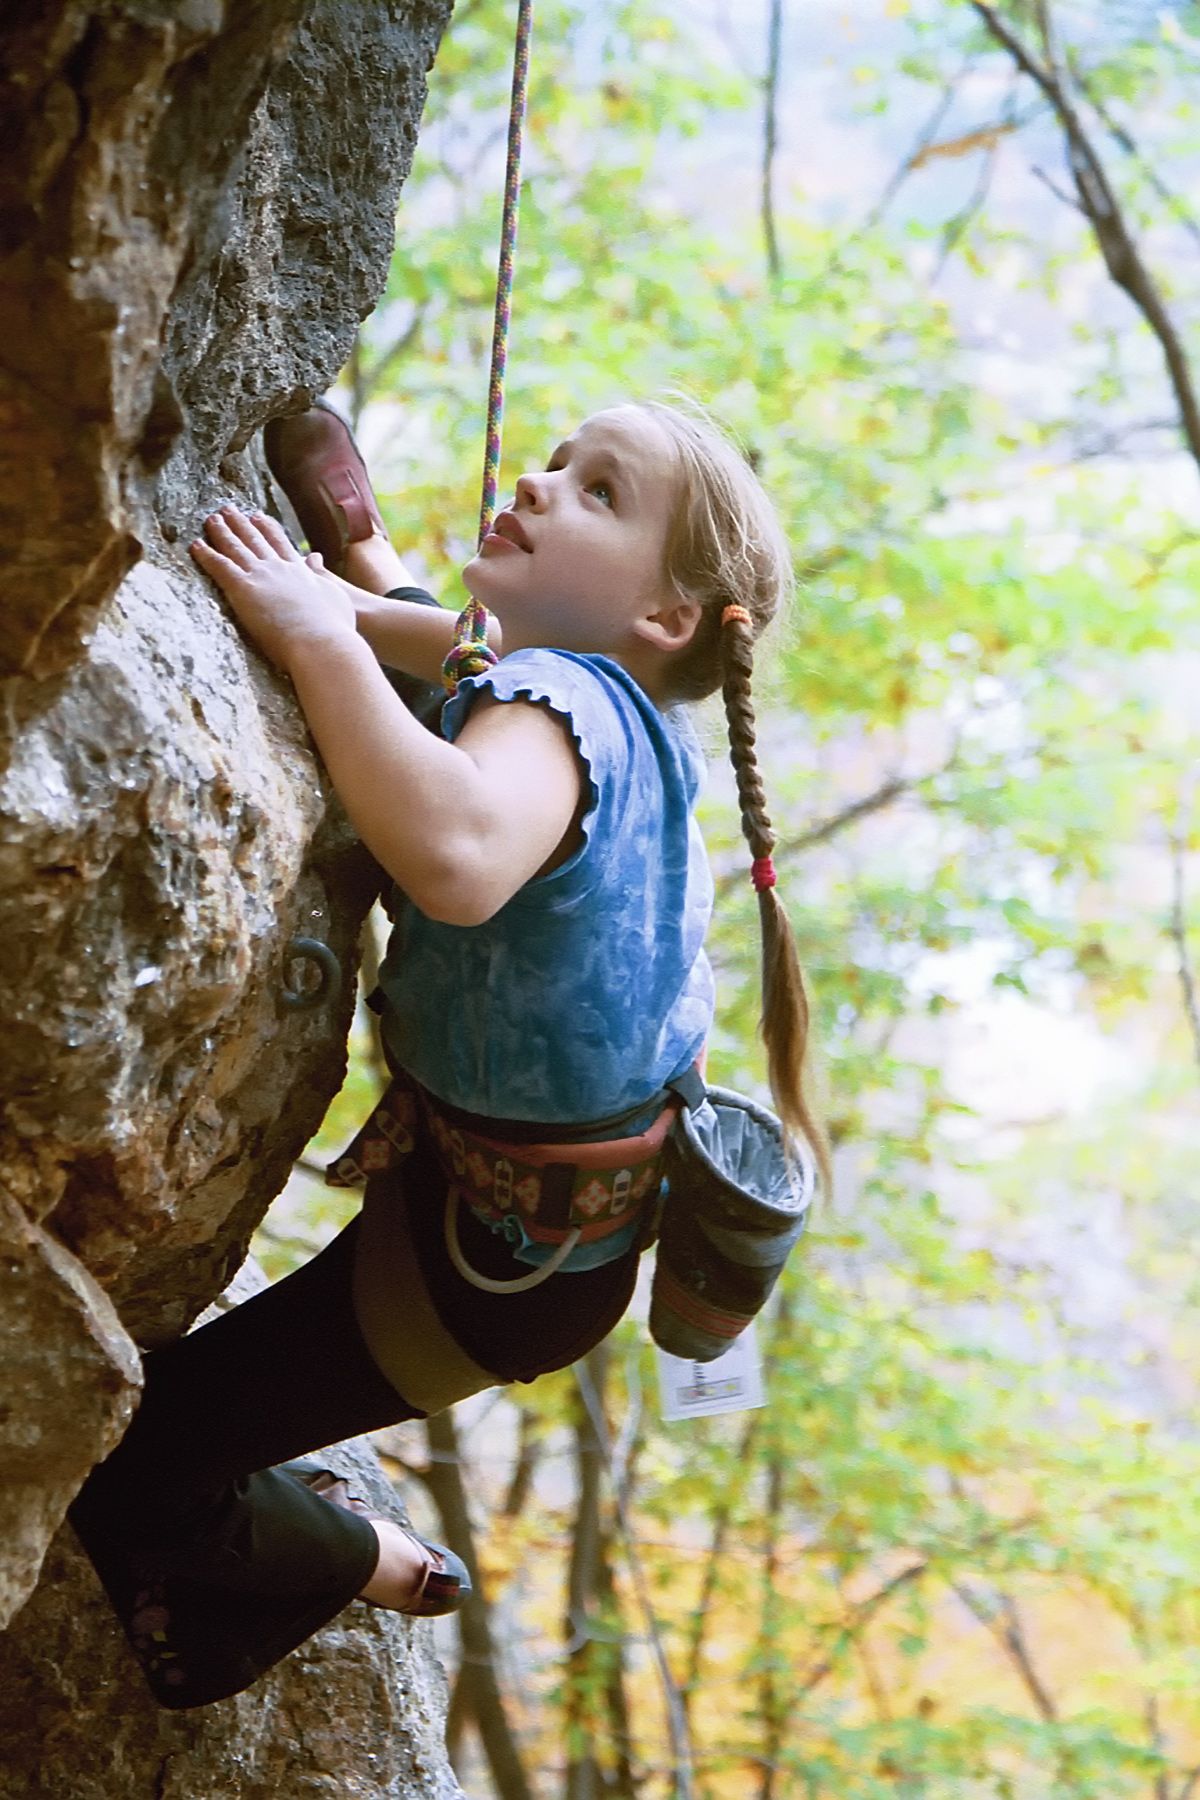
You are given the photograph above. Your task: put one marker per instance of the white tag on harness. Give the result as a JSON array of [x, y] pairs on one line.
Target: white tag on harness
[[733, 1382]]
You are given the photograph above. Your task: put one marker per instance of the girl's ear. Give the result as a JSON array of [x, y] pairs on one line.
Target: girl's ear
[[673, 626]]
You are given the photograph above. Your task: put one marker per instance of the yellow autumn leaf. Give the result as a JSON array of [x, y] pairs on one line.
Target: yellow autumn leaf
[[986, 138]]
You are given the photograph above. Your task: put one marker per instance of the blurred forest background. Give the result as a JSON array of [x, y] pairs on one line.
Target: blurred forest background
[[938, 264]]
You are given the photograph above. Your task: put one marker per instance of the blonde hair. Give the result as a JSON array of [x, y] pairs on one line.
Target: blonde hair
[[726, 549]]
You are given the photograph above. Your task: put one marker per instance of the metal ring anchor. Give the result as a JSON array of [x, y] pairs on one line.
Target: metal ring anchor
[[312, 950]]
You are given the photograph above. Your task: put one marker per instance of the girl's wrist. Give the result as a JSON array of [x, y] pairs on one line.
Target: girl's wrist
[[369, 609], [407, 635], [325, 646]]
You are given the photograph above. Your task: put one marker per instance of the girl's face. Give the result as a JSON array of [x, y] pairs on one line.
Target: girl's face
[[577, 559]]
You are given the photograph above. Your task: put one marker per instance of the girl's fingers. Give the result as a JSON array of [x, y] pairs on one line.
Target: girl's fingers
[[275, 535], [248, 531], [219, 530], [228, 575], [211, 559], [247, 538]]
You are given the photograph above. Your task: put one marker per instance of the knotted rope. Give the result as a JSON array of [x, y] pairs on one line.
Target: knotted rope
[[470, 654]]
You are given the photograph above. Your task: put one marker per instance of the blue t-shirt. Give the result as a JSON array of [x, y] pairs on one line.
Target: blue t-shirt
[[589, 989]]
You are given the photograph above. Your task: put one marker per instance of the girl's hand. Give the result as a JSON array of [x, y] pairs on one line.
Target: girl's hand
[[281, 599]]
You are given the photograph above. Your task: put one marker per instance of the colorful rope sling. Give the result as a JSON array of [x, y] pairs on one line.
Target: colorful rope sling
[[470, 654]]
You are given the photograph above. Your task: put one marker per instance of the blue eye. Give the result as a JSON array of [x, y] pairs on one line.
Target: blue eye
[[602, 492]]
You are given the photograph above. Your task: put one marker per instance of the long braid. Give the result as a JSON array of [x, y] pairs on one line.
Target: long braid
[[726, 550], [785, 1012]]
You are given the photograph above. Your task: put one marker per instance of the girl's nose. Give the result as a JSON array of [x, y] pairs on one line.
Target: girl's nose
[[531, 491]]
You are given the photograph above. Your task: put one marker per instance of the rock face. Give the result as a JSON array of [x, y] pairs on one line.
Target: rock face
[[196, 208], [355, 1714]]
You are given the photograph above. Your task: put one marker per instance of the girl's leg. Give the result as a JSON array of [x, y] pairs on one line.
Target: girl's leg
[[283, 1374], [216, 1563], [374, 565], [316, 462]]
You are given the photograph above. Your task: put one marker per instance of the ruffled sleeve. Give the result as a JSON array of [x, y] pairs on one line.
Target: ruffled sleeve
[[593, 700]]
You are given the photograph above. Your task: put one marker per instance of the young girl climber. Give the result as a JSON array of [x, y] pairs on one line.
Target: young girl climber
[[545, 1000]]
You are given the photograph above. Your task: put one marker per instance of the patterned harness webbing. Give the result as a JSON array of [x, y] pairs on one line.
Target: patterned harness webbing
[[548, 1190]]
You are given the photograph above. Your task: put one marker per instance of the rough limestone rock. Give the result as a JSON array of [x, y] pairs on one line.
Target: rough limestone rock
[[357, 1713], [196, 208]]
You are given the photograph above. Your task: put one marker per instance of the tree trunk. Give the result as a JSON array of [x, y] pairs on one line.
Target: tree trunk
[[586, 1679], [479, 1695]]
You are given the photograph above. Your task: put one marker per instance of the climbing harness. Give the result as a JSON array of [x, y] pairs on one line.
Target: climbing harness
[[711, 1178], [519, 1284], [470, 654], [549, 1199]]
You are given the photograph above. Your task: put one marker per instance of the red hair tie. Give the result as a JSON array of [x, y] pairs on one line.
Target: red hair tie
[[736, 612], [762, 873]]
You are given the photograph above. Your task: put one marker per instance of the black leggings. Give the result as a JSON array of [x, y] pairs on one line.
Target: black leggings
[[234, 1562], [216, 1564]]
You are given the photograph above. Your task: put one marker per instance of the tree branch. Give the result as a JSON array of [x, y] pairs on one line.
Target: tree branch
[[771, 137], [1177, 926], [824, 829], [582, 1775], [400, 345], [1122, 136], [861, 1616], [921, 145], [712, 1567], [529, 1454], [481, 1689], [957, 224], [1162, 1785], [773, 1696], [616, 1690], [1100, 206], [677, 1726], [998, 1612], [1060, 194], [1112, 440]]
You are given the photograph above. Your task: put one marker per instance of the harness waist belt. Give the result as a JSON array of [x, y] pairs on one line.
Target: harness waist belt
[[549, 1191]]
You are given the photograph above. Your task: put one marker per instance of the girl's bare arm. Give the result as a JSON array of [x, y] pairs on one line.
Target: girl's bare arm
[[460, 827], [408, 636]]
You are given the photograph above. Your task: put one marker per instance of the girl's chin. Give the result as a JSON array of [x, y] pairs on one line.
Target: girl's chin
[[478, 579]]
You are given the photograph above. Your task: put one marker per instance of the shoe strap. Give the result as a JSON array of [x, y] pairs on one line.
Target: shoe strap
[[345, 496]]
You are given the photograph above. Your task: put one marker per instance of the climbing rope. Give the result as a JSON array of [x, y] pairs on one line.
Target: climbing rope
[[470, 654]]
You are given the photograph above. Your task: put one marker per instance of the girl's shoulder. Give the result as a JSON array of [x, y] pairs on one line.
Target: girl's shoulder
[[593, 691], [610, 716], [572, 671]]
